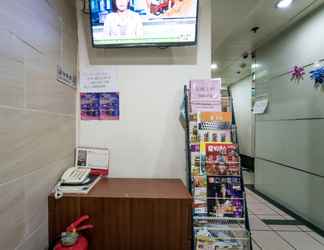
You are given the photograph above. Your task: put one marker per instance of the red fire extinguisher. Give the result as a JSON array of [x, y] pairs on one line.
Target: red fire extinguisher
[[71, 239]]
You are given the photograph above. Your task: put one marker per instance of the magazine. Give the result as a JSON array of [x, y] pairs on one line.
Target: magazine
[[216, 117], [226, 208], [193, 132], [225, 196], [226, 104], [221, 153], [233, 169], [214, 125], [224, 187], [200, 187], [195, 159], [223, 169], [213, 239], [200, 207], [216, 135], [200, 181]]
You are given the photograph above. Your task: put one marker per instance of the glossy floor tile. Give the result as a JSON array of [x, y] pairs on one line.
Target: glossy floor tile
[[273, 229]]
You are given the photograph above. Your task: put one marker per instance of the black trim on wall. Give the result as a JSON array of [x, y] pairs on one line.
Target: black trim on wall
[[290, 119], [288, 166], [247, 162], [286, 210]]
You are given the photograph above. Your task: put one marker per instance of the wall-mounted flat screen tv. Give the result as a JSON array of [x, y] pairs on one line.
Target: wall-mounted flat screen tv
[[143, 23]]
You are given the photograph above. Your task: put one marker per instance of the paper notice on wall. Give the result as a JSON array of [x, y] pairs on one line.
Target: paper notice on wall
[[99, 106], [261, 105], [98, 79], [109, 106], [205, 95], [99, 95]]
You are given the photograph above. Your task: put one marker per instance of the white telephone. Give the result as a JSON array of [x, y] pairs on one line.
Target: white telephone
[[72, 177], [75, 175]]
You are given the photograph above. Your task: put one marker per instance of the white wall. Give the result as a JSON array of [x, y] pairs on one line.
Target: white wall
[[242, 102], [148, 141], [289, 137]]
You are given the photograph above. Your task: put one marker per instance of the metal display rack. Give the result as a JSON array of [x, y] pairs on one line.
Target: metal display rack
[[224, 232]]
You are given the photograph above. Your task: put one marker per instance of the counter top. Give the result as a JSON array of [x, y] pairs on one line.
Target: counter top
[[137, 188]]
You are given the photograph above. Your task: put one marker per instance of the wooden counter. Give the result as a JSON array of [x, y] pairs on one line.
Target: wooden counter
[[129, 214]]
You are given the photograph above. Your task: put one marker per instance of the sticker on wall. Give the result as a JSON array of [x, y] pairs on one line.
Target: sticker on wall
[[99, 106], [65, 77], [317, 75], [297, 74]]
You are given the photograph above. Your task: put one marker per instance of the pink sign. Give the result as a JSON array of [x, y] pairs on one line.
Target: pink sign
[[205, 95]]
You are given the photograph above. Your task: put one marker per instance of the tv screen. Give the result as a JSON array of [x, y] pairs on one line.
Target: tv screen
[[136, 23]]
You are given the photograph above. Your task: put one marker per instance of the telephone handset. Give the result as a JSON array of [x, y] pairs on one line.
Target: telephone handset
[[75, 176]]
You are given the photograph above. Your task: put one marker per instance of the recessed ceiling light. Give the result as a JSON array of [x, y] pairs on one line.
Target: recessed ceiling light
[[214, 66], [282, 4]]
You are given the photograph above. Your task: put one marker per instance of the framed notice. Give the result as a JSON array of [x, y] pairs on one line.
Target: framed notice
[[261, 104]]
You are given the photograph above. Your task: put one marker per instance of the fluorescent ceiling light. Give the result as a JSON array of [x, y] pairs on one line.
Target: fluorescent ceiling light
[[214, 66], [282, 4], [317, 64], [255, 66]]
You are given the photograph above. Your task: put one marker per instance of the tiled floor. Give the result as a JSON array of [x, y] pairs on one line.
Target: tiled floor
[[273, 229]]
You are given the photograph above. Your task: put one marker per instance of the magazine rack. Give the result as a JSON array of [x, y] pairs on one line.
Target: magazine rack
[[223, 232]]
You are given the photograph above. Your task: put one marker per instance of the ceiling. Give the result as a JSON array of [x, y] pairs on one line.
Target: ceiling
[[232, 21]]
